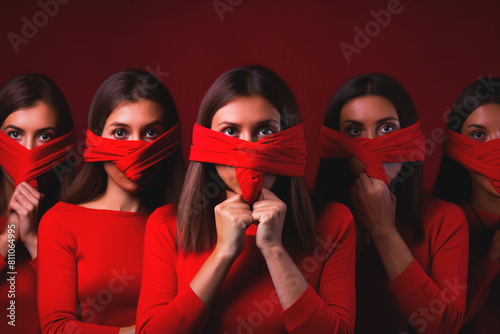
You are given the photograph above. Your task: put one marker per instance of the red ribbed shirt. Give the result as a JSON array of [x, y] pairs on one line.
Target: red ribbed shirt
[[429, 295], [89, 269], [247, 301]]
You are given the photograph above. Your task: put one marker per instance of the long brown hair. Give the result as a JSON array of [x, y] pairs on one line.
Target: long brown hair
[[334, 179], [26, 91], [130, 86], [203, 189]]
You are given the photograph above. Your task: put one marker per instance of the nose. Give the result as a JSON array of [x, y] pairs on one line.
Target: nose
[[135, 136], [247, 135], [371, 134], [496, 134], [29, 142]]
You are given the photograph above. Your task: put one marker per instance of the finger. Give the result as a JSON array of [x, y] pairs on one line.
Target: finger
[[246, 219], [265, 204], [366, 181], [235, 199], [15, 206], [35, 193], [26, 205], [257, 217], [25, 193]]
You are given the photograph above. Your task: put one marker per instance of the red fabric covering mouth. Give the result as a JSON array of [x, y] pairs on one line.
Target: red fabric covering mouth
[[406, 144], [283, 153], [132, 156], [23, 164], [483, 158]]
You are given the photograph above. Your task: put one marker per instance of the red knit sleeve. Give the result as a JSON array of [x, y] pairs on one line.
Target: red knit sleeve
[[332, 308], [482, 273], [435, 303], [161, 306], [57, 279]]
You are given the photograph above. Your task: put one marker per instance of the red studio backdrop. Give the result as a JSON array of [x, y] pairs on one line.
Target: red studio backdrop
[[434, 48]]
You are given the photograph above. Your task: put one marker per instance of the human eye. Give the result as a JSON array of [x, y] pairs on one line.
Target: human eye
[[230, 131], [353, 131], [387, 128], [478, 136], [119, 133], [14, 134], [152, 133], [46, 137], [266, 131]]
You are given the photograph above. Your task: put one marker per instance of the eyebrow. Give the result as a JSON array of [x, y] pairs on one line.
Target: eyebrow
[[124, 125], [13, 127], [47, 129], [476, 126], [378, 122], [38, 131], [259, 123]]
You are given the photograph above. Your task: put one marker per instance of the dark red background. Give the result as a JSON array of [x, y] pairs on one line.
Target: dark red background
[[434, 48]]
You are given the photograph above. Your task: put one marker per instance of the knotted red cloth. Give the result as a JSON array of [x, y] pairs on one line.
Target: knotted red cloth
[[132, 156], [282, 153], [407, 144], [23, 164], [482, 158]]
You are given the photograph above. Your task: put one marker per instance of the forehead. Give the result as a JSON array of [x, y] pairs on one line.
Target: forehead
[[136, 113], [368, 109], [487, 115], [39, 116], [248, 110]]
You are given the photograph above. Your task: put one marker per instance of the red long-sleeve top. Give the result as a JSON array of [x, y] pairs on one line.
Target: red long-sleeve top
[[483, 294], [247, 301], [89, 269], [429, 295], [26, 315]]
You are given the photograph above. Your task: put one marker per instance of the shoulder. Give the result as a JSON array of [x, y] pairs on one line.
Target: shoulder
[[441, 215], [57, 223], [163, 221], [61, 211], [433, 207], [335, 218]]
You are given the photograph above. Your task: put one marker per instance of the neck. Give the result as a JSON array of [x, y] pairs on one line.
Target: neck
[[118, 199], [484, 201]]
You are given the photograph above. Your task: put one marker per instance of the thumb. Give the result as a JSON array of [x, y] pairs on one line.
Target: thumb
[[235, 199]]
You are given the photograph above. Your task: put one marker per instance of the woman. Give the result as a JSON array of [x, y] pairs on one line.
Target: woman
[[91, 244], [36, 139], [470, 176], [245, 253], [411, 248]]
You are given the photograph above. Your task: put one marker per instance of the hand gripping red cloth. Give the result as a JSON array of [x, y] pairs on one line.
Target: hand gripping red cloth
[[132, 156], [282, 153], [482, 158], [407, 144], [23, 164]]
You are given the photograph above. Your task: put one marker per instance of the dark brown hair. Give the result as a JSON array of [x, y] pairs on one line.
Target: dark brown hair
[[130, 86], [334, 179], [26, 91], [453, 182], [203, 189]]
